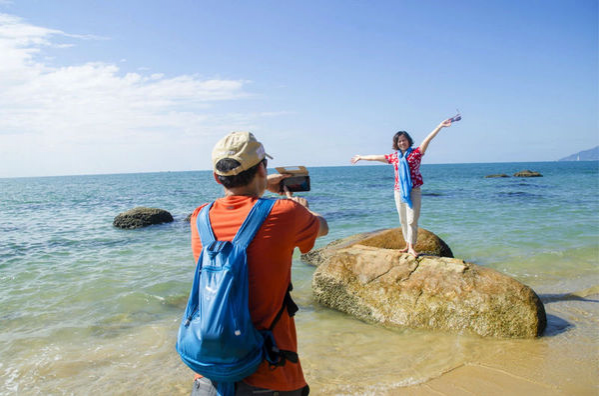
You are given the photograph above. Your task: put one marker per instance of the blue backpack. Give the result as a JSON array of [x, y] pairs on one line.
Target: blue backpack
[[217, 338]]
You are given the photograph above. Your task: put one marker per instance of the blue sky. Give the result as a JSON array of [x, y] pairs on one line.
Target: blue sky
[[92, 87]]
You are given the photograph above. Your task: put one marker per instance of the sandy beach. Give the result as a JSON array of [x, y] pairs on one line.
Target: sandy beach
[[547, 366], [564, 361]]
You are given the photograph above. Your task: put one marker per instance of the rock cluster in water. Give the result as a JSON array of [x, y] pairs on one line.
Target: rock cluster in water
[[141, 217], [527, 173], [496, 175], [523, 173], [381, 285]]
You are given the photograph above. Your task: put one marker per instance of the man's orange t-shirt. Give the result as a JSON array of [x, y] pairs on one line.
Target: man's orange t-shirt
[[289, 225]]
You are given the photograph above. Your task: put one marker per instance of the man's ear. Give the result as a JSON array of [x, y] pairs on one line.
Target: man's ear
[[216, 177], [262, 170]]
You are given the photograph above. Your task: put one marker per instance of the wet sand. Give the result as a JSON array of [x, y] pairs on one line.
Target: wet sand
[[481, 380], [565, 361]]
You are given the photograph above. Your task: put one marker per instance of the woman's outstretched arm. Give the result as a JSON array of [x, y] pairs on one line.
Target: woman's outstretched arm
[[427, 140], [380, 158]]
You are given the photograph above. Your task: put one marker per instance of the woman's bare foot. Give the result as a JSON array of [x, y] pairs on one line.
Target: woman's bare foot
[[413, 252], [404, 250]]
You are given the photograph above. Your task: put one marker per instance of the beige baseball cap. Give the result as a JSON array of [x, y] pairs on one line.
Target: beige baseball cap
[[240, 146]]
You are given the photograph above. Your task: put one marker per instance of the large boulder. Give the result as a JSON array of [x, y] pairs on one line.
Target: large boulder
[[387, 287], [142, 217], [390, 238]]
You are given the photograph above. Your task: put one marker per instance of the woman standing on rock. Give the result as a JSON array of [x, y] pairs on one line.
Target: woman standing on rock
[[406, 162]]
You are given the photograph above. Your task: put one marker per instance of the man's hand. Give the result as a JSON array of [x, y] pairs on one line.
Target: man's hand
[[273, 182], [323, 226], [299, 200]]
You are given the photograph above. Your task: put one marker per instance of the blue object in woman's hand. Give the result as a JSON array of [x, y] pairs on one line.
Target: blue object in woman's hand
[[457, 117]]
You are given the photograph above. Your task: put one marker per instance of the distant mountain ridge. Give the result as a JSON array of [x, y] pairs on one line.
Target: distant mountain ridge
[[586, 155]]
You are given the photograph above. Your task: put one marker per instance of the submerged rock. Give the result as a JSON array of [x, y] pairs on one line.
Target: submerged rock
[[527, 173], [141, 217], [496, 175], [391, 238], [387, 287]]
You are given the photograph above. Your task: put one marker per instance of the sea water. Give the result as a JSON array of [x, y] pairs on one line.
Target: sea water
[[88, 308]]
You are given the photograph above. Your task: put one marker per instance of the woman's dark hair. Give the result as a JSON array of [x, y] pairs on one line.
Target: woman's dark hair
[[396, 138], [239, 180]]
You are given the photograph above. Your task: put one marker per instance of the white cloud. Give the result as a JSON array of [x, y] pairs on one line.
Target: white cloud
[[62, 111]]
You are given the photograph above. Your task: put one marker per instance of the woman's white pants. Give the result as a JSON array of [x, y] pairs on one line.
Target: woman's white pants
[[408, 217]]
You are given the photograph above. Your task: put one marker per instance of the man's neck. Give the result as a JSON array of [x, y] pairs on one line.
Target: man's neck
[[246, 191]]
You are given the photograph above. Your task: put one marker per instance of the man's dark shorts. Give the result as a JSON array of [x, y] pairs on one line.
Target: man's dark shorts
[[205, 387]]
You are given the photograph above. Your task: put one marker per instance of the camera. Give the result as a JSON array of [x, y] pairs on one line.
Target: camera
[[299, 181], [296, 183]]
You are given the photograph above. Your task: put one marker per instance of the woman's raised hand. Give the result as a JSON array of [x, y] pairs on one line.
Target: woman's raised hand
[[355, 159], [446, 123]]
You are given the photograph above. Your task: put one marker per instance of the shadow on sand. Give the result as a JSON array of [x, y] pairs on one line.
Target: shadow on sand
[[557, 325]]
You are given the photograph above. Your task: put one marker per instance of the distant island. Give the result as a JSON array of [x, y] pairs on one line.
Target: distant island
[[586, 155]]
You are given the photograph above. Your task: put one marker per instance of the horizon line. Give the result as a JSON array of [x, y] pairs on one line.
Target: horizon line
[[320, 166]]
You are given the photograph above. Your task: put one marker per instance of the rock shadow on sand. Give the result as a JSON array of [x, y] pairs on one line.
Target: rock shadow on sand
[[556, 326]]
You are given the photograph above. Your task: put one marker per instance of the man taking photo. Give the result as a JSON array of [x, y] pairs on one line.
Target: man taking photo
[[240, 166]]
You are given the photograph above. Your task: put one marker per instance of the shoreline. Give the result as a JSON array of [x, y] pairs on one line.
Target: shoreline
[[554, 364], [480, 379], [562, 362]]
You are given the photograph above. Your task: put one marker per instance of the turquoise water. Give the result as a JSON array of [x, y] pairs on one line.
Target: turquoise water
[[90, 308]]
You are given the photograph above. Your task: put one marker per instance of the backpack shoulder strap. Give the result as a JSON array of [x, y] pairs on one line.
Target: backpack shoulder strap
[[204, 226], [252, 223]]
